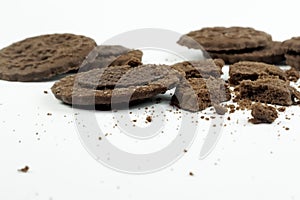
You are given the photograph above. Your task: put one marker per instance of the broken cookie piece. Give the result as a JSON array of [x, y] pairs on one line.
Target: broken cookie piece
[[195, 94], [263, 114], [201, 68], [269, 90], [247, 70]]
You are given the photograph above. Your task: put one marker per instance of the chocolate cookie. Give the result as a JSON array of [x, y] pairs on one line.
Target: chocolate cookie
[[115, 84], [195, 94], [42, 57], [109, 55], [272, 54], [226, 39], [246, 70], [201, 68], [293, 60]]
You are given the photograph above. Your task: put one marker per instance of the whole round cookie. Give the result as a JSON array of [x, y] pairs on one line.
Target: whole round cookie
[[292, 45], [115, 84], [272, 54], [293, 61], [225, 39], [43, 57]]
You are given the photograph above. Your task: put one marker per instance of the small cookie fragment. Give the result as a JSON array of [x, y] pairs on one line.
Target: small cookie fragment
[[263, 114], [292, 74], [195, 94], [111, 55], [200, 69], [273, 91], [220, 110], [246, 70]]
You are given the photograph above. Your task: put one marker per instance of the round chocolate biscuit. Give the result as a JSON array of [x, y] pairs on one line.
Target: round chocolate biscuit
[[116, 84], [293, 61], [108, 55], [43, 57], [226, 39], [292, 45], [272, 54]]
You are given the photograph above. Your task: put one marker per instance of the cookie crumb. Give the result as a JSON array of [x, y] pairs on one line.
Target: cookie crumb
[[24, 169], [191, 174], [281, 109], [149, 119], [45, 92], [49, 114]]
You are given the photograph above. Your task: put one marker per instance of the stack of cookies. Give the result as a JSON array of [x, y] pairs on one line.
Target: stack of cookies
[[235, 44]]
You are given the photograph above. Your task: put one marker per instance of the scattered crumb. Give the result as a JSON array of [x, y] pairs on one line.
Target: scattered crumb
[[149, 119], [24, 169], [49, 114], [99, 138], [45, 92], [231, 108], [191, 174], [134, 120], [185, 151], [281, 109]]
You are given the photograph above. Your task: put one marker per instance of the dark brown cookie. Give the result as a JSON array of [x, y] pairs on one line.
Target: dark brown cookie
[[118, 85], [268, 90], [226, 39], [201, 68], [42, 57], [196, 94], [293, 60], [109, 55], [292, 45], [272, 54], [263, 114], [246, 70]]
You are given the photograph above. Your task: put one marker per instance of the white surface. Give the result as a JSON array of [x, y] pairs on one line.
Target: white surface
[[249, 162]]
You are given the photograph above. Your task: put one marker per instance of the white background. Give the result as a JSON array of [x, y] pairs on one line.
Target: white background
[[249, 162]]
